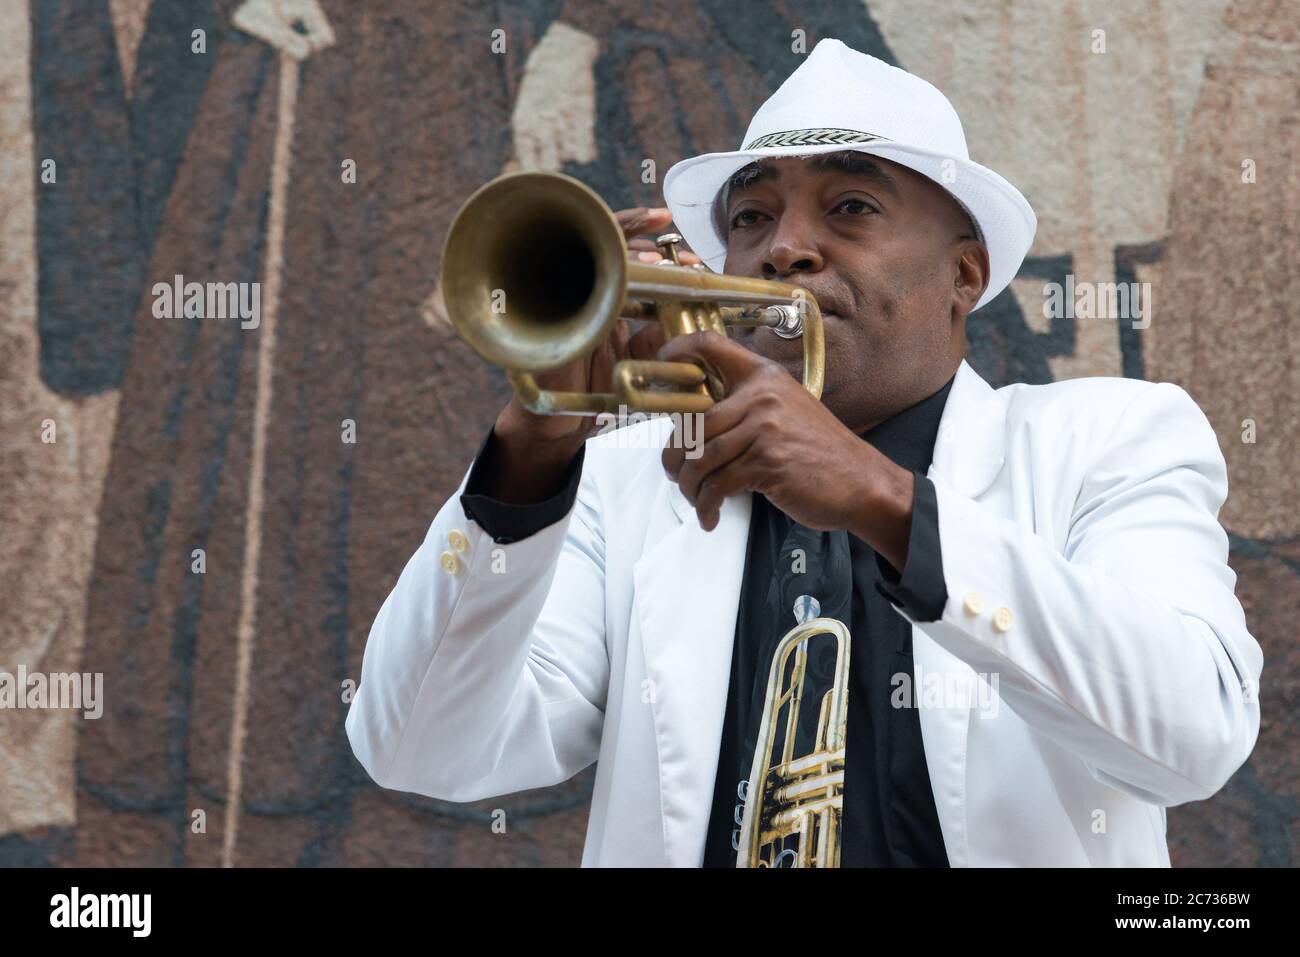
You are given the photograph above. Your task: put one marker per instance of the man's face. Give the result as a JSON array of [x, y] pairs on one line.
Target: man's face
[[889, 256]]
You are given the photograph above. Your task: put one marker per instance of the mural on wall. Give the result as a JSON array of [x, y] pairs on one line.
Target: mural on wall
[[299, 462]]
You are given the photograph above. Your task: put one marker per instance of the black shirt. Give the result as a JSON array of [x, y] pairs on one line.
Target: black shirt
[[889, 816]]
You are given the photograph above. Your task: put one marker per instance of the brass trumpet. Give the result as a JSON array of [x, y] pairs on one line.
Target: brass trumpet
[[804, 794], [535, 274]]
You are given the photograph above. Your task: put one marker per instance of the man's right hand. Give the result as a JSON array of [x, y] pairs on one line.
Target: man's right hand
[[532, 452]]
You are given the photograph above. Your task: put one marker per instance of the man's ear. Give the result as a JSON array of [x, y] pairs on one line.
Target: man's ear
[[972, 275]]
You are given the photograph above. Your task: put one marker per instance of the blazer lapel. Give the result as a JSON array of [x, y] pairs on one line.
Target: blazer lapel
[[687, 599], [968, 454], [968, 451]]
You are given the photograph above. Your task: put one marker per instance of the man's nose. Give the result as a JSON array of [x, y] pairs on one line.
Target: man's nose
[[794, 248]]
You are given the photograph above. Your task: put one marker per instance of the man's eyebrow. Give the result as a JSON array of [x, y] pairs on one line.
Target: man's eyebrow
[[844, 161], [858, 164], [746, 176]]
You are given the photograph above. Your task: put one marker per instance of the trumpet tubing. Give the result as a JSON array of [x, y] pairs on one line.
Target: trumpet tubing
[[802, 796]]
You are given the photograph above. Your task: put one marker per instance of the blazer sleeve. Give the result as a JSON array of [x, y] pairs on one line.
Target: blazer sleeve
[[1128, 645], [486, 670]]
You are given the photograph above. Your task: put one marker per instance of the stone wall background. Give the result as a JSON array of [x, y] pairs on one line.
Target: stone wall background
[[226, 165]]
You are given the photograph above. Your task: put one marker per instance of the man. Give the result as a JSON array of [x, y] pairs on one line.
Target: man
[[1042, 647]]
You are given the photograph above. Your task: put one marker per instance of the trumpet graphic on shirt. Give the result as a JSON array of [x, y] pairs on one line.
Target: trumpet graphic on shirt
[[799, 797]]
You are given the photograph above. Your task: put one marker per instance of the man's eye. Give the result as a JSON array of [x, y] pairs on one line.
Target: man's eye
[[739, 222], [854, 207]]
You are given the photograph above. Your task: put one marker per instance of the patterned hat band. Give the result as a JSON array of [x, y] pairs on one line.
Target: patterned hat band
[[818, 137], [813, 137]]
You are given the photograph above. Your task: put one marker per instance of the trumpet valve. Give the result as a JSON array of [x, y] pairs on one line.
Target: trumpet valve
[[667, 244]]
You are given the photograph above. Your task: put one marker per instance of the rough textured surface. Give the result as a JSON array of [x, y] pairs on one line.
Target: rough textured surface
[[165, 160]]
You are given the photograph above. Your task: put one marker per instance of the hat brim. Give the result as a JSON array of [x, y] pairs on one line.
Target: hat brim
[[1002, 214]]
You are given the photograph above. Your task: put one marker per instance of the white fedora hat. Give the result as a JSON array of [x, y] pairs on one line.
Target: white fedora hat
[[840, 99]]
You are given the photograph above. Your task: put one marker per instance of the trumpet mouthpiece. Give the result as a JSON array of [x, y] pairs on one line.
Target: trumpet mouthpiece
[[785, 321]]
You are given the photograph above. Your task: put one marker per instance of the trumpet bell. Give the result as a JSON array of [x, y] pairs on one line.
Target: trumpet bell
[[535, 275], [534, 270]]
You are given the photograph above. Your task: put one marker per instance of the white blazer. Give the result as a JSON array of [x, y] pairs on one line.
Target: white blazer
[[1087, 583]]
